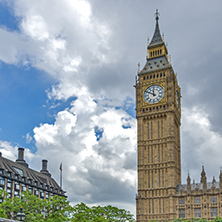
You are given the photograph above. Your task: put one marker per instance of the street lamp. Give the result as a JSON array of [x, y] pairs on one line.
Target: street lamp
[[20, 215]]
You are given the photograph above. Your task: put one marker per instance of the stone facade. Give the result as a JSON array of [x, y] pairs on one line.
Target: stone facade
[[158, 111]]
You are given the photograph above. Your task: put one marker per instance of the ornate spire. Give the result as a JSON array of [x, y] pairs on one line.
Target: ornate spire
[[203, 175], [203, 179], [188, 183], [157, 38], [213, 181], [188, 178]]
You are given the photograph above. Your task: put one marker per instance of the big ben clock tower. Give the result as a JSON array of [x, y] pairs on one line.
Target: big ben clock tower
[[158, 114]]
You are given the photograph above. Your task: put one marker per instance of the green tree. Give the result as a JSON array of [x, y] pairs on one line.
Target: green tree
[[83, 213], [33, 207], [10, 207], [58, 209], [55, 208]]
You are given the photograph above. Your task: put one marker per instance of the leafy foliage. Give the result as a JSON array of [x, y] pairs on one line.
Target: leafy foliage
[[55, 208], [83, 213], [58, 209]]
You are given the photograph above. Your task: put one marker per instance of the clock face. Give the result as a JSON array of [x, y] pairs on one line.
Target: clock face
[[177, 99], [153, 94]]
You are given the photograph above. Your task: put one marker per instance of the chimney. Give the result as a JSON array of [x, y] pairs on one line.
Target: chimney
[[20, 159], [44, 168]]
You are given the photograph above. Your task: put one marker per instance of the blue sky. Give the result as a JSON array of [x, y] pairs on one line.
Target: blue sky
[[23, 101], [7, 17], [67, 95]]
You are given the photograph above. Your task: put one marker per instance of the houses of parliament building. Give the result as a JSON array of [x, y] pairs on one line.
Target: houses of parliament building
[[161, 196]]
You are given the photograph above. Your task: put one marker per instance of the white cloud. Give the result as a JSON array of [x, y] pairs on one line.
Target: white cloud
[[200, 144], [72, 140], [28, 138], [71, 45], [8, 150], [35, 27]]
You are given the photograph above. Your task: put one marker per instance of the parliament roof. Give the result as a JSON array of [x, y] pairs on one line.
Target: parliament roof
[[19, 171]]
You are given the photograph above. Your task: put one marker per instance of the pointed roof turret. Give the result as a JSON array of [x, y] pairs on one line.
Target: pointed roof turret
[[188, 183], [188, 178], [157, 38], [203, 175], [213, 181], [157, 54]]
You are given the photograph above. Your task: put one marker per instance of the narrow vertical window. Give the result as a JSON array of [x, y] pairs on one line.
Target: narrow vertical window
[[148, 131], [159, 205], [149, 206], [158, 129], [151, 130], [148, 154], [153, 205], [152, 179], [158, 153], [148, 179], [161, 128], [163, 177], [162, 152], [159, 179], [151, 154], [163, 205]]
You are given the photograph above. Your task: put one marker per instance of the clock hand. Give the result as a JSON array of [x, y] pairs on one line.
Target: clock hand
[[153, 92]]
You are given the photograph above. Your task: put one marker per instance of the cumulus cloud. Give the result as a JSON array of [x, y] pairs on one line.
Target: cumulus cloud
[[96, 170], [201, 145], [73, 46], [10, 151]]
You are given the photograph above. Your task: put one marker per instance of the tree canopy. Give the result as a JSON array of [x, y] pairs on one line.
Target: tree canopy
[[101, 214], [58, 209]]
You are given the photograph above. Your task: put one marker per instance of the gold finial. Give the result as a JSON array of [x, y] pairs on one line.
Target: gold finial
[[169, 57], [157, 14], [138, 70]]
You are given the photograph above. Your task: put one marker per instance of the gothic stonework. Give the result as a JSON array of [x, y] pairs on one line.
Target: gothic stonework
[[158, 111]]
